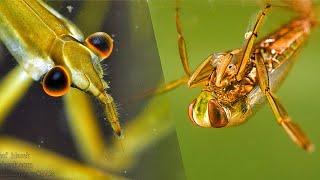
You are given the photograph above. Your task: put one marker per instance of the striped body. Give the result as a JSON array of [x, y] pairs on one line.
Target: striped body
[[29, 29], [277, 50]]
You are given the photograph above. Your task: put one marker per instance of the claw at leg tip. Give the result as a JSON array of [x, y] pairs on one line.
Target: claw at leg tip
[[119, 134], [310, 148]]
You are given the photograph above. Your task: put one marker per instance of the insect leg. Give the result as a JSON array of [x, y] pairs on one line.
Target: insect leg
[[171, 85], [56, 166], [12, 87], [251, 37], [181, 43], [291, 128], [152, 124], [162, 89], [120, 154], [111, 111]]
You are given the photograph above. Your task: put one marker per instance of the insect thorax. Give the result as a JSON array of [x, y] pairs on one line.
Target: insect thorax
[[234, 90]]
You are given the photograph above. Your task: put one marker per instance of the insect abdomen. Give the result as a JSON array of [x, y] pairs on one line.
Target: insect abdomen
[[287, 40]]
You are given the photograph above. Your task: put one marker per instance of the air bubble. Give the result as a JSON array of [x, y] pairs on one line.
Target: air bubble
[[70, 8], [247, 35]]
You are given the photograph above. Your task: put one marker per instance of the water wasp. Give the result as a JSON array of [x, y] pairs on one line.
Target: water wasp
[[102, 156], [235, 82], [53, 51]]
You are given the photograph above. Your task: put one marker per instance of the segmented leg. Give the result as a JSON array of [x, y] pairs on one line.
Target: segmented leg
[[251, 36], [184, 60], [162, 89], [12, 88], [111, 112], [149, 126], [171, 85], [181, 43], [291, 128]]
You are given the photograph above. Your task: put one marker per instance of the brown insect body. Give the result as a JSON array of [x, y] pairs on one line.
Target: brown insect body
[[275, 49], [236, 82]]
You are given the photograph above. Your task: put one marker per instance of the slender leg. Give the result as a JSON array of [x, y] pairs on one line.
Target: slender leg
[[12, 88], [40, 162], [181, 43], [111, 112], [184, 60], [170, 86], [160, 90], [121, 153], [252, 36], [291, 128], [152, 124]]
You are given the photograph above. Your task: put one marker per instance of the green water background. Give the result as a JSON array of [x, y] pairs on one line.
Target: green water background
[[259, 149]]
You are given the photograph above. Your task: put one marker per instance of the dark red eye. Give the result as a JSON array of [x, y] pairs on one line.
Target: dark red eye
[[101, 43], [217, 115], [56, 82]]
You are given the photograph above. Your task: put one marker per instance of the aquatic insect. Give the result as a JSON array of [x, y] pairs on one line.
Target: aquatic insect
[[101, 158], [234, 82], [52, 50]]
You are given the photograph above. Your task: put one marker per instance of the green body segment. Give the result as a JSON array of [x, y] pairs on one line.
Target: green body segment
[[40, 38], [28, 29]]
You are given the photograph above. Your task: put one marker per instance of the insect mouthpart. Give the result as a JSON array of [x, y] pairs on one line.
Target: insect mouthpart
[[205, 111]]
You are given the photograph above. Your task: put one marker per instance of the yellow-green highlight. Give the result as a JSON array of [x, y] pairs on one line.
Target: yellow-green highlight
[[12, 88], [39, 161]]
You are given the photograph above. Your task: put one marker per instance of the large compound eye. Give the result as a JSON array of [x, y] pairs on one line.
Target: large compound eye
[[101, 43], [217, 115], [56, 82]]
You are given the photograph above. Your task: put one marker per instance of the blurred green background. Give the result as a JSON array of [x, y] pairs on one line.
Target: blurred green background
[[259, 149]]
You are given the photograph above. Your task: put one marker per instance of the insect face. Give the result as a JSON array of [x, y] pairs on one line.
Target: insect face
[[225, 67]]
